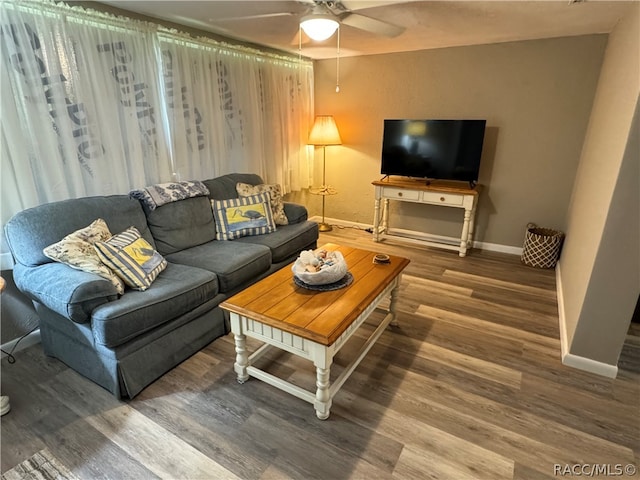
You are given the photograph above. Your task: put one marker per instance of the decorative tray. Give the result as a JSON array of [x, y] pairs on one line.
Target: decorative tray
[[343, 282]]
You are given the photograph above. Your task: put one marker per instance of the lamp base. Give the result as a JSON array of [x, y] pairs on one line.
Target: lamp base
[[324, 227]]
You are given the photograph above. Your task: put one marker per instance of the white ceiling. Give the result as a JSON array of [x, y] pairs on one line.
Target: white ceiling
[[427, 24]]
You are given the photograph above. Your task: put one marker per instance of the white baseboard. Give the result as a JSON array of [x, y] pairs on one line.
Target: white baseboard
[[31, 339], [492, 247], [496, 247], [591, 366], [569, 359], [562, 322], [341, 223]]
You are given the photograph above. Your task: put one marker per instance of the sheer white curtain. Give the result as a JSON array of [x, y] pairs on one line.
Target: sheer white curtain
[[287, 100], [192, 104], [236, 110], [80, 113], [92, 104]]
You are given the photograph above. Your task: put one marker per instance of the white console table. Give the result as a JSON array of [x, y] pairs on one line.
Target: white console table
[[446, 194]]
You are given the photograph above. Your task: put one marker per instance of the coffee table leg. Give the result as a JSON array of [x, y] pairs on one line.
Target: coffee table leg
[[393, 301], [242, 359], [322, 361], [323, 401]]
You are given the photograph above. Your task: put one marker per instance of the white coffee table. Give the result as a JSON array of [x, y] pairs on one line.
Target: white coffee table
[[312, 324]]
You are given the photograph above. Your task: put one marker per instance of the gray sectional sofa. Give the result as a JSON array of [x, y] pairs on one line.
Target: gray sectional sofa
[[125, 342]]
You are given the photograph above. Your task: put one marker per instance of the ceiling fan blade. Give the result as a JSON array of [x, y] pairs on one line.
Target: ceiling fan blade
[[353, 5], [371, 25], [252, 17]]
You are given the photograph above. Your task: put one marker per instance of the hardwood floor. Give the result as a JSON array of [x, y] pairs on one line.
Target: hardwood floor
[[470, 385]]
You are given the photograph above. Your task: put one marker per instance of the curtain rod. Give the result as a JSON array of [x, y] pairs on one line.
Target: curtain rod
[[83, 13], [206, 42]]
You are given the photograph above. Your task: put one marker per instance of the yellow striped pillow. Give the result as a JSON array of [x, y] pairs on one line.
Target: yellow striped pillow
[[243, 216], [132, 258]]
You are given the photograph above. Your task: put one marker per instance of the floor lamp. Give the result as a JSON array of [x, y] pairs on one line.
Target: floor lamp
[[323, 133]]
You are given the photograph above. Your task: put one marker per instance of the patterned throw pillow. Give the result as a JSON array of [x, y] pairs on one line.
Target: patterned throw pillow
[[132, 258], [239, 217], [275, 195], [76, 250]]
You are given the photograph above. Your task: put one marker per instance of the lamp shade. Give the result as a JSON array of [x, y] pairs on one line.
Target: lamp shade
[[324, 131], [319, 26]]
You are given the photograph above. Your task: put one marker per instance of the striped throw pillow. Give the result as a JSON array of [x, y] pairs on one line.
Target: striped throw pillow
[[243, 216], [132, 258]]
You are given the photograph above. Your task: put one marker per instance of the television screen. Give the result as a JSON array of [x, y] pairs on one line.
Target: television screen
[[433, 149]]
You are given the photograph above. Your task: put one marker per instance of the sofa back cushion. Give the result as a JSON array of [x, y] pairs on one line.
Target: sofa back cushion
[[182, 224], [33, 229], [224, 187]]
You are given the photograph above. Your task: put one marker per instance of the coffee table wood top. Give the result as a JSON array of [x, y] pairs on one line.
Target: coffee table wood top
[[318, 316]]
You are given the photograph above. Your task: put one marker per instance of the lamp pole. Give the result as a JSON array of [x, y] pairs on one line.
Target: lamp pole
[[324, 227]]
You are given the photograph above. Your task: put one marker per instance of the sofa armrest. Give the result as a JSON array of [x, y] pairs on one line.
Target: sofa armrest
[[72, 293], [295, 212]]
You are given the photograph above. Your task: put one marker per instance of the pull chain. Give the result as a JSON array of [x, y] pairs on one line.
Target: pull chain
[[338, 64]]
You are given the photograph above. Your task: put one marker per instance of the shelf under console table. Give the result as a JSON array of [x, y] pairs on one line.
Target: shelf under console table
[[443, 193]]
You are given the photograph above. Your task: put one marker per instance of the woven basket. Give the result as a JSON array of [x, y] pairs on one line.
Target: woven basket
[[541, 247]]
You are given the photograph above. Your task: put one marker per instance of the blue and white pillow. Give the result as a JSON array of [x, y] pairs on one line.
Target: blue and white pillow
[[244, 216]]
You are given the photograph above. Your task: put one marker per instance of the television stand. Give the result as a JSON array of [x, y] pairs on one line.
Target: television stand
[[446, 194]]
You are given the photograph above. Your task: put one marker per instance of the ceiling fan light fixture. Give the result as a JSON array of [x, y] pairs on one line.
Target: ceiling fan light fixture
[[319, 27]]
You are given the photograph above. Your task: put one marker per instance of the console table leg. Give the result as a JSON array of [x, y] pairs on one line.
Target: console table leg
[[471, 227], [465, 233], [376, 221], [385, 215]]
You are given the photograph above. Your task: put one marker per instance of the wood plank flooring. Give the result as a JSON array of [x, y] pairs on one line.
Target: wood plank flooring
[[469, 386]]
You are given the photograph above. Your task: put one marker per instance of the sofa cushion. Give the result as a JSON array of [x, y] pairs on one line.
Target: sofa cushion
[[287, 240], [239, 217], [234, 263], [76, 250], [31, 230], [177, 290], [275, 195], [224, 187], [132, 258], [183, 224]]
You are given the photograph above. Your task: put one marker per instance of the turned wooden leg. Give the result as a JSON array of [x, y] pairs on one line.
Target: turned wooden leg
[[323, 400], [322, 361], [465, 233], [242, 358], [385, 216], [471, 227], [393, 300], [376, 221]]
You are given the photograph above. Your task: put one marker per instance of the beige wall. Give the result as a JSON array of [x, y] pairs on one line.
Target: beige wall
[[536, 97], [600, 263]]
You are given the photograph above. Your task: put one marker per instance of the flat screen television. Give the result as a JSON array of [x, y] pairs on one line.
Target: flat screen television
[[433, 149]]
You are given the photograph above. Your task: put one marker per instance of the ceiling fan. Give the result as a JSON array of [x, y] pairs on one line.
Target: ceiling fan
[[333, 13], [319, 19]]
